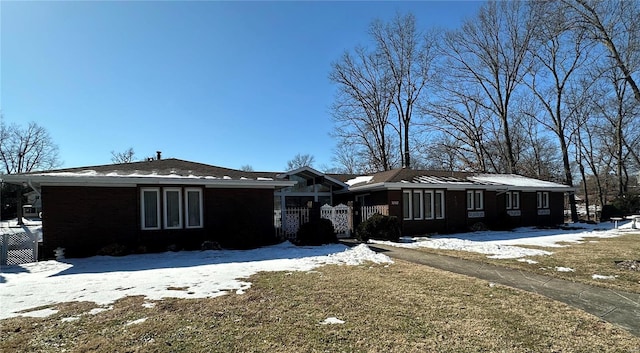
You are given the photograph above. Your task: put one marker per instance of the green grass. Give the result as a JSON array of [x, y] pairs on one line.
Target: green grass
[[593, 256], [397, 308]]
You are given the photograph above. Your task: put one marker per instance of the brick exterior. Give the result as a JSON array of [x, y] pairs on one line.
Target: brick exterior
[[84, 220]]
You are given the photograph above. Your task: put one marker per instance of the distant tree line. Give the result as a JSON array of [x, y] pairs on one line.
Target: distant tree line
[[547, 89]]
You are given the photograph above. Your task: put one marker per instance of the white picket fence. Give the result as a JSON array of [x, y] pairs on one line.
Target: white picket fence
[[287, 225], [368, 211], [341, 217]]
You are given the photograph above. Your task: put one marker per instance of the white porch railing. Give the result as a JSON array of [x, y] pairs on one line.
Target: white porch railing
[[287, 226], [368, 211], [341, 216]]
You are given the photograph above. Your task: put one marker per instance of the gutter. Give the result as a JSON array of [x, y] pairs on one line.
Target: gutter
[[461, 186]]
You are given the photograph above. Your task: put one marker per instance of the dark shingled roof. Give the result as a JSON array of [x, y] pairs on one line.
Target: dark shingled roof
[[168, 166]]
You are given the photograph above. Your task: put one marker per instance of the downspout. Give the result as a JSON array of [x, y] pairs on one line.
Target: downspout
[[34, 189]]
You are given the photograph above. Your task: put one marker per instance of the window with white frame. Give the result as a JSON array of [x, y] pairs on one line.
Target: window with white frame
[[428, 204], [150, 208], [475, 200], [193, 207], [438, 206], [406, 204], [172, 208], [173, 211], [417, 204], [543, 199], [512, 200]]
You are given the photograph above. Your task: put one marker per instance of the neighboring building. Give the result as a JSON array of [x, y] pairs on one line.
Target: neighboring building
[[33, 207], [153, 204]]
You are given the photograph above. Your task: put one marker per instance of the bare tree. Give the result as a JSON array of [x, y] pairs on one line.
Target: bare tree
[[490, 52], [557, 53], [300, 160], [615, 25], [409, 55], [361, 109], [126, 156], [23, 150], [247, 168]]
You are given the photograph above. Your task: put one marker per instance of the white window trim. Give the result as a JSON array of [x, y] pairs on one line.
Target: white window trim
[[410, 206], [479, 195], [442, 205], [513, 200], [470, 200], [142, 208], [165, 209], [421, 205], [186, 207], [431, 205], [543, 199]]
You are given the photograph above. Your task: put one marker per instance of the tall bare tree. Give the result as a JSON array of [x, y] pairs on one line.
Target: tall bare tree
[[362, 105], [615, 25], [558, 53], [490, 52], [409, 55]]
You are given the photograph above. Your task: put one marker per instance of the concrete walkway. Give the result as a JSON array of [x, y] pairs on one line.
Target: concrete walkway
[[616, 307]]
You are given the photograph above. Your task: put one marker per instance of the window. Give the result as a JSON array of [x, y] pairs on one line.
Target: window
[[428, 204], [417, 204], [543, 199], [512, 200], [193, 209], [439, 204], [475, 200], [150, 208], [172, 208], [406, 204]]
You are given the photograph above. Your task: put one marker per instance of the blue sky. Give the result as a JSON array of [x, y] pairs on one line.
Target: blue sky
[[222, 83]]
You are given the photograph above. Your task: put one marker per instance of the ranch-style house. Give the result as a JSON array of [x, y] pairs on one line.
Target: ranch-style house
[[150, 205]]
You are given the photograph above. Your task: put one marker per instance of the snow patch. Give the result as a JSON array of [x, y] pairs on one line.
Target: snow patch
[[332, 321], [595, 276], [506, 244], [529, 261], [135, 322], [207, 274], [564, 269], [359, 179]]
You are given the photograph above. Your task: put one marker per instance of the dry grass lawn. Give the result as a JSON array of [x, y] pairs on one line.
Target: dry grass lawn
[[396, 308], [593, 256]]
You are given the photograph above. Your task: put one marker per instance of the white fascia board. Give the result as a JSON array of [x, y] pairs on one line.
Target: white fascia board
[[107, 181], [460, 186]]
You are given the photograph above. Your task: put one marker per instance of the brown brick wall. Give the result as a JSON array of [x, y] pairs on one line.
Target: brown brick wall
[[83, 220]]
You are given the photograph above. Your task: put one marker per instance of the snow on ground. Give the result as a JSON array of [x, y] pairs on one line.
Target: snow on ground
[[187, 274], [504, 245]]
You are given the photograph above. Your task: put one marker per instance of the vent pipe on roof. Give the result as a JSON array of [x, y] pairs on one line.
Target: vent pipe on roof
[[158, 155]]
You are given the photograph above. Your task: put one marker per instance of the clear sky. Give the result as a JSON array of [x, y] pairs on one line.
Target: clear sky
[[222, 83]]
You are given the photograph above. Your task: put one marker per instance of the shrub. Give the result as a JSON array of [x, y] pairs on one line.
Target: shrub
[[379, 227], [316, 232], [113, 249]]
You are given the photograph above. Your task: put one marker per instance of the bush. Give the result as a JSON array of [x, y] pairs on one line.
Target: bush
[[316, 232], [379, 227], [114, 249]]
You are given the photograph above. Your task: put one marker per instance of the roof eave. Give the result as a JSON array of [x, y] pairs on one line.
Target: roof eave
[[106, 181]]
